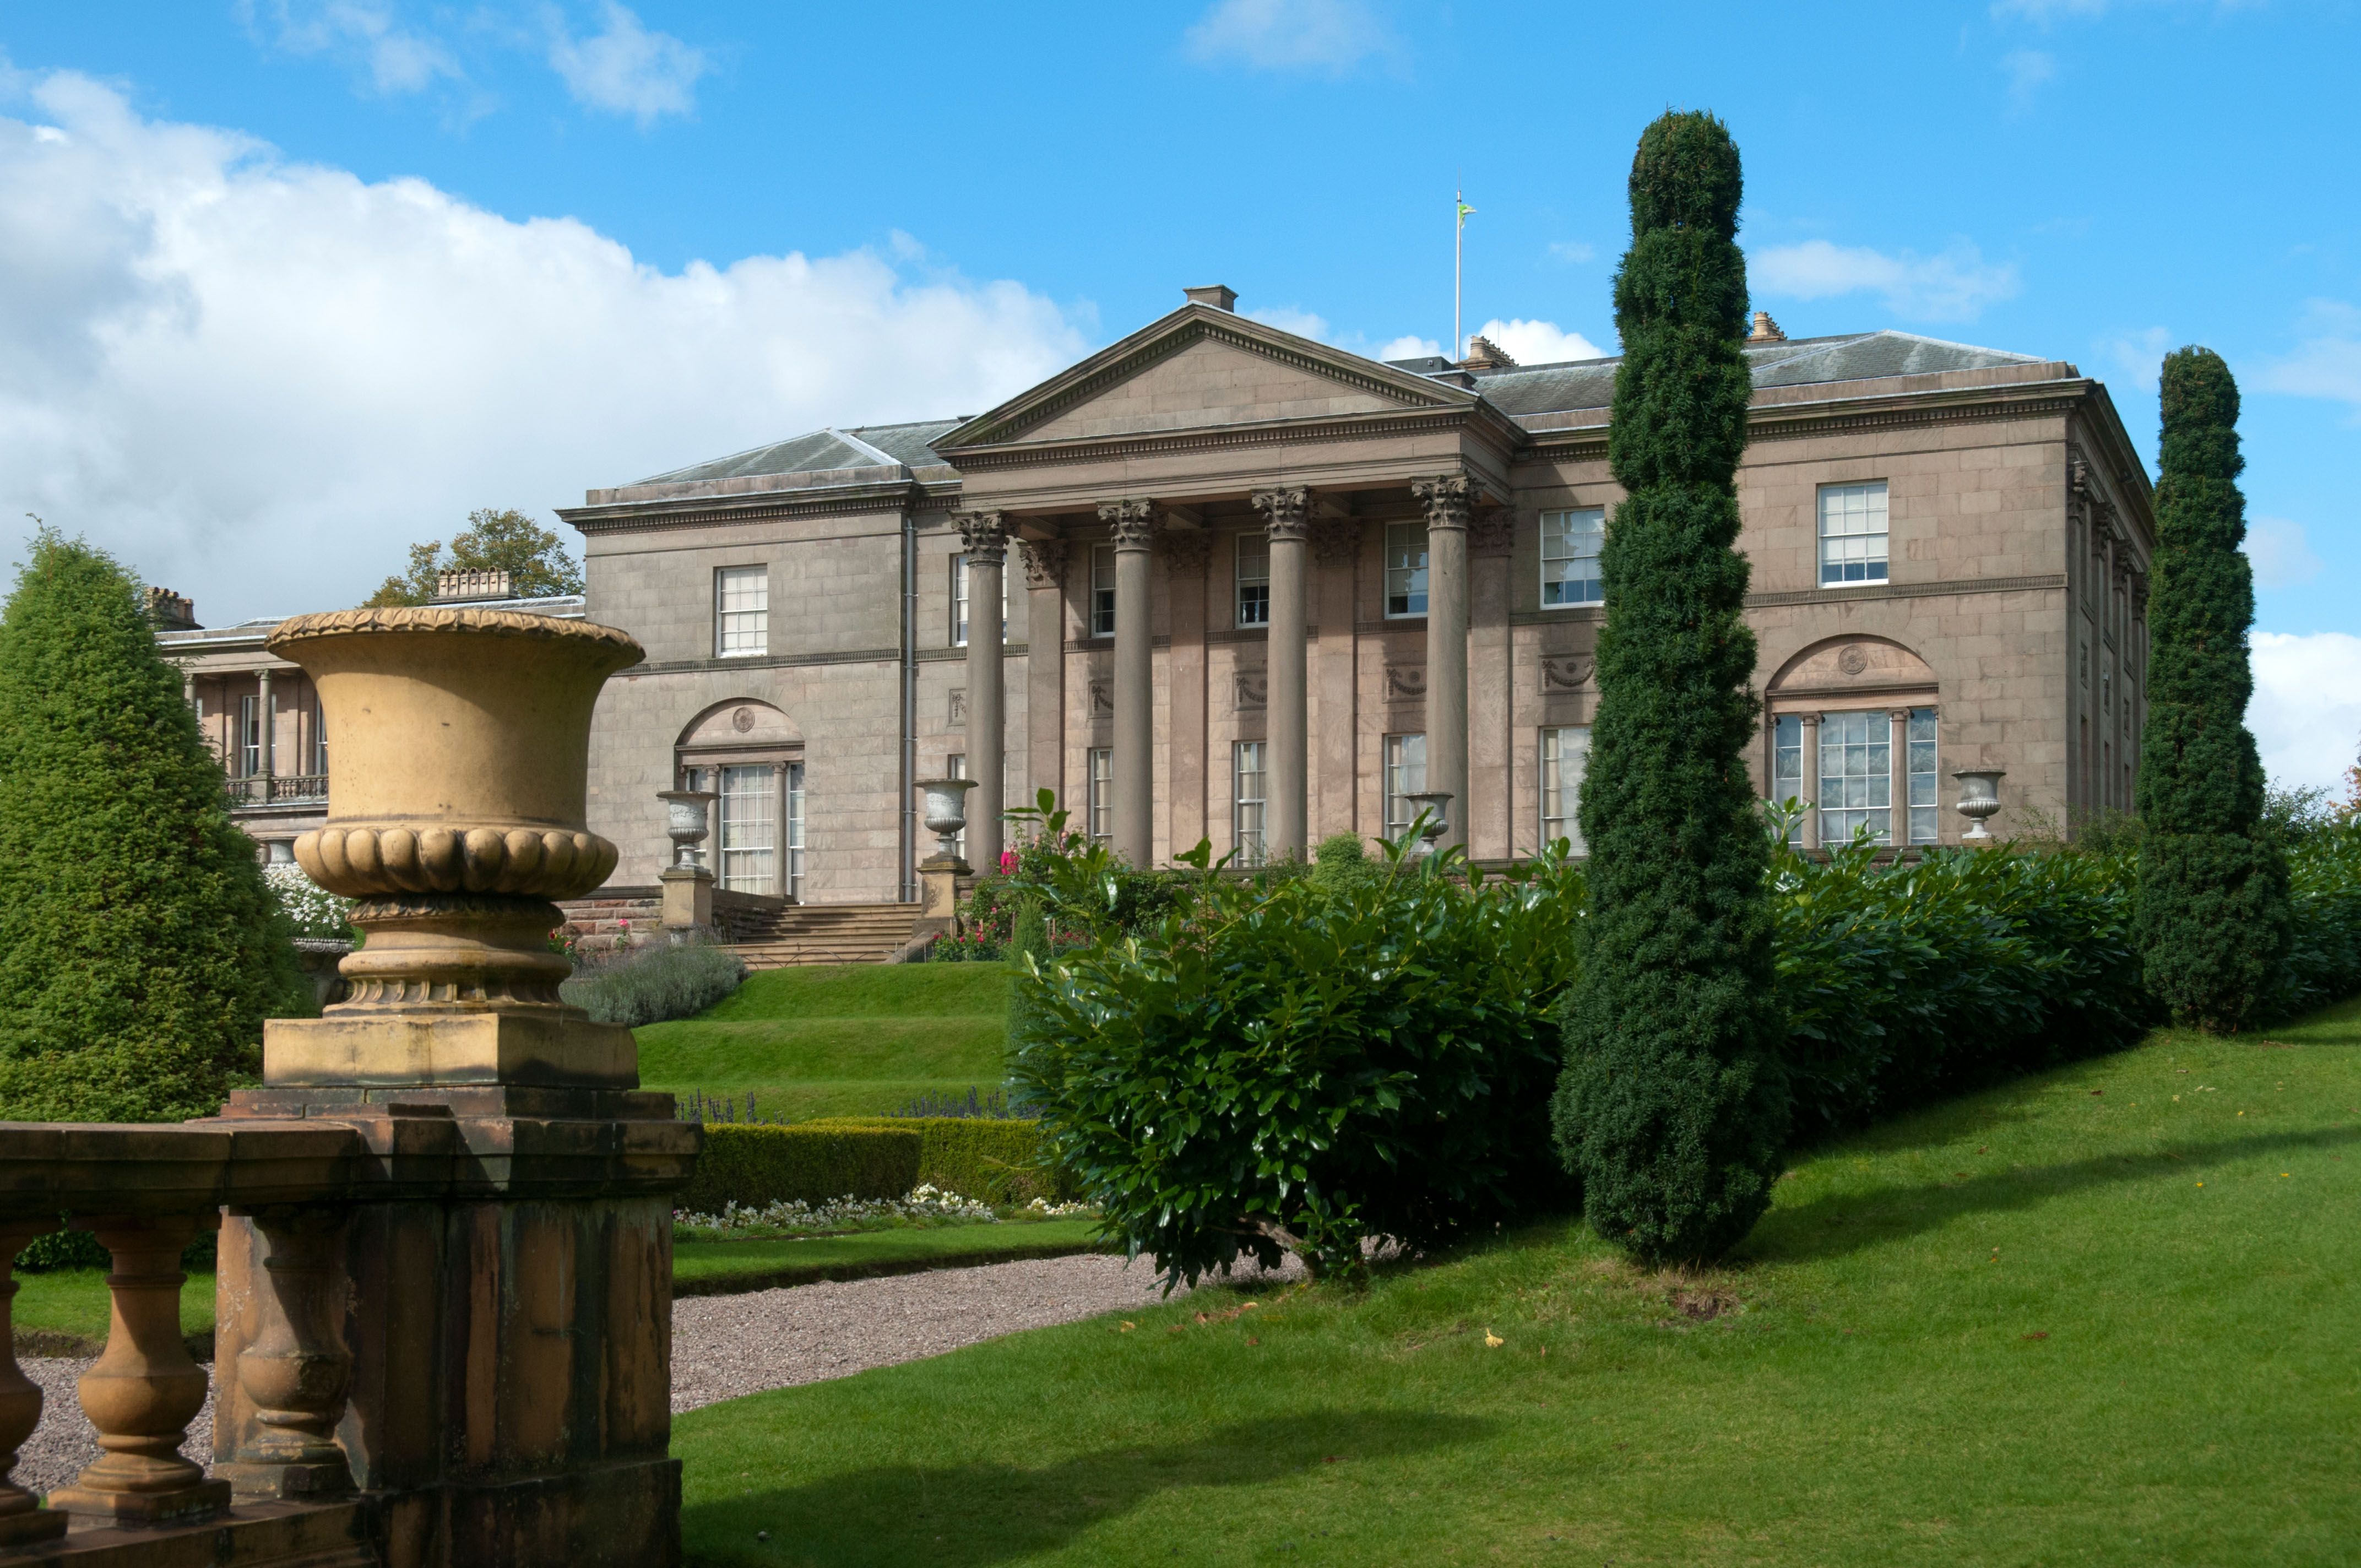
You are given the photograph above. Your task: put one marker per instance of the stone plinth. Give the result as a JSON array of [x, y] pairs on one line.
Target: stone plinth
[[688, 898]]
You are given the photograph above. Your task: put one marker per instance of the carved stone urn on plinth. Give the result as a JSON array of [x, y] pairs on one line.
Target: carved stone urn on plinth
[[939, 873], [456, 819], [1435, 805], [688, 884], [1979, 799]]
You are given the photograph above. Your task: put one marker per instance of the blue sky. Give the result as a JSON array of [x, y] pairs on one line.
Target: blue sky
[[285, 285]]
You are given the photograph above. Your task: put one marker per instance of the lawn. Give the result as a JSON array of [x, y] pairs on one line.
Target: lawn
[[839, 1039], [2105, 1315]]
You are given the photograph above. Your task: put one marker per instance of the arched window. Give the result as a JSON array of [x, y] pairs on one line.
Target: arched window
[[752, 755], [1852, 734]]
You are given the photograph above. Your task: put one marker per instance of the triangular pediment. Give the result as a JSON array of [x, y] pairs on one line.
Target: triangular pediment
[[1198, 368]]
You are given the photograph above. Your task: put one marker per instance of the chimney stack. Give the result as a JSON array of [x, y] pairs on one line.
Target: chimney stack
[[1483, 354], [1221, 296], [168, 611], [1765, 329], [454, 586]]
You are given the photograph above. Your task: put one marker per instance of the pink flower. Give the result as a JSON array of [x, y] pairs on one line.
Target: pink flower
[[1008, 863]]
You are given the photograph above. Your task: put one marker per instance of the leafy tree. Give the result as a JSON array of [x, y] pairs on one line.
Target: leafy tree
[[1673, 1106], [505, 541], [2212, 913], [140, 948]]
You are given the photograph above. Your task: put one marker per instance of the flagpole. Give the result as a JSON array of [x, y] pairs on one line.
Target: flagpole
[[1458, 267]]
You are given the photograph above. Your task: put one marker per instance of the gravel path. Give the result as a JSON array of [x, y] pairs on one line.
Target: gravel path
[[723, 1347]]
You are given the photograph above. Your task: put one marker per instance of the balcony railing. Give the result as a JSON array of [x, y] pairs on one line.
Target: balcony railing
[[278, 789]]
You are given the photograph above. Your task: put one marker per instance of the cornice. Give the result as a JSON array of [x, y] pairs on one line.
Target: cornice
[[765, 506], [2045, 581], [2034, 400], [1262, 433]]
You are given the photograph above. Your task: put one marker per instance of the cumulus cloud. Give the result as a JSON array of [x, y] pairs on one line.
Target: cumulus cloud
[[2306, 714], [626, 68], [393, 58], [1953, 286], [258, 380], [2138, 355], [1330, 36], [1408, 348], [2280, 553], [1572, 250], [1287, 318], [1538, 343], [2327, 363]]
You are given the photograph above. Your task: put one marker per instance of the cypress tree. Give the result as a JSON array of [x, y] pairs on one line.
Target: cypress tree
[[140, 948], [2212, 910], [1673, 1110]]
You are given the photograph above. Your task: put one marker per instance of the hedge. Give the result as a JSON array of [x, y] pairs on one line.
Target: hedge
[[754, 1167], [997, 1160]]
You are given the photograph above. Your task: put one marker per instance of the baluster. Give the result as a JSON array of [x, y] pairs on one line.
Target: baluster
[[144, 1389], [23, 1520], [295, 1370]]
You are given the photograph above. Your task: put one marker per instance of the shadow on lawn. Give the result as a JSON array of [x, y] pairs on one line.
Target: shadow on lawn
[[1837, 1224], [963, 1516]]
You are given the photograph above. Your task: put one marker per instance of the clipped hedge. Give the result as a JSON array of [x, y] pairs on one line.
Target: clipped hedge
[[757, 1166], [996, 1161], [2322, 962]]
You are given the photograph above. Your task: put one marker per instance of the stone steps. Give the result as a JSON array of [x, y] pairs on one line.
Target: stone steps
[[830, 934]]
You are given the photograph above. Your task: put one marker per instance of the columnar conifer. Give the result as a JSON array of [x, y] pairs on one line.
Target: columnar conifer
[[140, 948], [2212, 913], [1673, 1110]]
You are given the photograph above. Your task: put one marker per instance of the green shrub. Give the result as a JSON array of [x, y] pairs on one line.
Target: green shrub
[[1342, 865], [1673, 1110], [651, 984], [1283, 1066], [2322, 960], [139, 949], [994, 1159], [756, 1165]]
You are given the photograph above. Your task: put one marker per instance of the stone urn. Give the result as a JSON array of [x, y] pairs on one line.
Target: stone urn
[[688, 819], [1436, 805], [945, 810], [456, 818], [1979, 798]]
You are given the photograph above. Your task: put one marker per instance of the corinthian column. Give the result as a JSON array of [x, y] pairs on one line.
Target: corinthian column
[[1132, 527], [986, 539], [1287, 661], [1446, 498]]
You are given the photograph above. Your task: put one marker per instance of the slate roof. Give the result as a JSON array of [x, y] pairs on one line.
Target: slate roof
[[1522, 390]]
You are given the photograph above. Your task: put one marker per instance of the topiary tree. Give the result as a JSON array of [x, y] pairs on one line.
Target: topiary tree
[[140, 948], [1673, 1108], [2213, 912]]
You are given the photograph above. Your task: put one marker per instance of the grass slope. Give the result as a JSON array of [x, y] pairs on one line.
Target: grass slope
[[713, 1268], [2101, 1316], [65, 1312], [836, 1040]]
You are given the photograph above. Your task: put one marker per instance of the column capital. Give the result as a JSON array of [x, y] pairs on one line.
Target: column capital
[[1132, 523], [1285, 510], [1044, 562], [1447, 497], [1812, 719], [983, 535]]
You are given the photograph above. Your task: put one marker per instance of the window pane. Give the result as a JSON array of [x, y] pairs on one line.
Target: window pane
[[1787, 766], [1405, 568], [1856, 776], [1102, 799], [1925, 813], [750, 829], [795, 888], [1254, 580], [741, 610], [1102, 590], [959, 601], [1570, 546], [1852, 533], [1247, 769], [1566, 754], [1405, 776]]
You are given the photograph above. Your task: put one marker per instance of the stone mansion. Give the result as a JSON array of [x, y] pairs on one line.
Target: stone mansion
[[1258, 589]]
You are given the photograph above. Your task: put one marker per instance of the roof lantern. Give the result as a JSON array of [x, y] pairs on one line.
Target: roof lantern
[[1221, 296]]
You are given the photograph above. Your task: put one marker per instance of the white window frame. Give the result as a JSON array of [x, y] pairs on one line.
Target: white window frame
[[1857, 794], [742, 630], [1571, 541], [319, 768], [1406, 578], [1855, 535], [1923, 801], [1405, 775], [1099, 820], [1102, 605], [250, 737], [959, 596], [792, 775], [1250, 601], [1787, 767], [1250, 796], [1565, 755], [749, 809]]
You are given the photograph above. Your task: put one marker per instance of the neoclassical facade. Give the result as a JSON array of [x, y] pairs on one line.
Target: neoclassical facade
[[1258, 590]]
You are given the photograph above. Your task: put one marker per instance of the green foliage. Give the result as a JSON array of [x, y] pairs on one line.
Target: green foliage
[[1028, 948], [1914, 977], [504, 541], [1341, 865], [988, 1158], [1672, 1109], [2322, 960], [1086, 890], [756, 1165], [1282, 1066], [310, 910], [140, 948], [651, 984], [2212, 917]]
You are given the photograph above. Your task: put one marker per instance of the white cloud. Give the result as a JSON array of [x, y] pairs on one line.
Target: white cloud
[[1954, 286], [2306, 714], [1412, 347], [395, 59], [2046, 11], [258, 381], [1538, 343], [1287, 318], [1572, 250], [2027, 68], [1331, 35], [2280, 553], [2327, 364], [2139, 355], [627, 69]]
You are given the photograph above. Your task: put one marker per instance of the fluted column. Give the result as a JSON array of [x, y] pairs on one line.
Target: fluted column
[[984, 537], [1132, 527], [1447, 497], [1287, 663]]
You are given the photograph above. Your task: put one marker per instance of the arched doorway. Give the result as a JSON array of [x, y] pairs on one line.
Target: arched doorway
[[1852, 734], [752, 755]]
